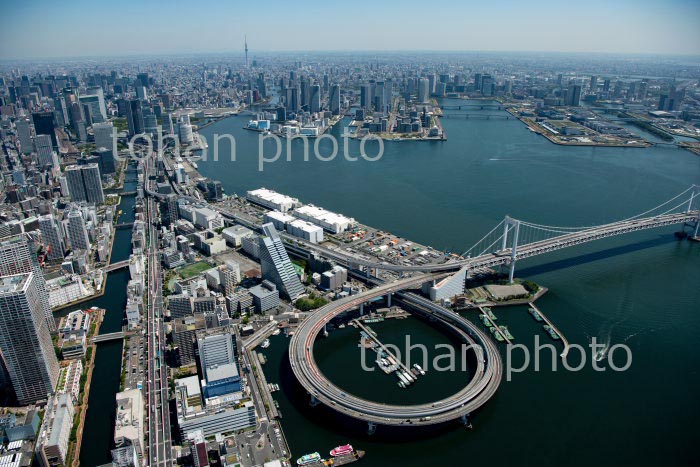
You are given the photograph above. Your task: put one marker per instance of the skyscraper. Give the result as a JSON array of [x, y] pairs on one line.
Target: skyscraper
[[24, 133], [84, 183], [43, 125], [18, 255], [44, 151], [573, 95], [380, 97], [105, 136], [365, 96], [134, 117], [52, 237], [423, 91], [25, 339], [315, 98], [169, 209], [77, 232], [276, 265], [334, 99]]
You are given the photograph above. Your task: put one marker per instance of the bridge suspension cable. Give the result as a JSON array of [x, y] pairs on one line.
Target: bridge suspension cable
[[570, 229], [489, 237], [530, 232]]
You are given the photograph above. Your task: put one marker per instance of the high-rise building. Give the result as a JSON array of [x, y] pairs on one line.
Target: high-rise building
[[487, 85], [25, 339], [77, 231], [593, 86], [169, 209], [134, 117], [334, 99], [380, 97], [365, 96], [573, 95], [52, 237], [105, 160], [423, 90], [230, 276], [43, 125], [105, 136], [24, 134], [94, 108], [168, 124], [276, 265], [44, 151], [315, 98], [217, 357], [84, 183], [18, 255]]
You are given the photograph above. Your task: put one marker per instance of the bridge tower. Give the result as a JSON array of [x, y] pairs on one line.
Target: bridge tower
[[694, 194], [511, 225]]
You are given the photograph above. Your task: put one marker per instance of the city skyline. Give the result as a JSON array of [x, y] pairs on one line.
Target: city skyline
[[503, 26]]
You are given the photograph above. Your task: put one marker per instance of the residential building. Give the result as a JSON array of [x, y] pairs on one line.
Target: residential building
[[25, 339]]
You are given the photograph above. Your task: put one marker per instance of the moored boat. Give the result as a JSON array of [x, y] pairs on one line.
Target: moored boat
[[308, 459], [343, 450]]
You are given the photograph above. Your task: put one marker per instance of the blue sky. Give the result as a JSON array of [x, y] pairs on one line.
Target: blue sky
[[41, 28]]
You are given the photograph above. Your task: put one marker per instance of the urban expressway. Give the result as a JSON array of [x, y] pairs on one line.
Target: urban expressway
[[477, 391]]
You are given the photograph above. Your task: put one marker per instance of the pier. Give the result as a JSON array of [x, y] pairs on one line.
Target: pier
[[371, 336], [565, 352], [263, 387]]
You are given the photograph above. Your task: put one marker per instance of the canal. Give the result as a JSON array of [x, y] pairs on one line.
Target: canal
[[99, 419]]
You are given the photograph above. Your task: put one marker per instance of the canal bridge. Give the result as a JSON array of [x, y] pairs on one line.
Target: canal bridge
[[114, 266]]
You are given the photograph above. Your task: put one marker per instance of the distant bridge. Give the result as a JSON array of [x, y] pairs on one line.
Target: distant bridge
[[479, 116], [473, 107], [124, 225]]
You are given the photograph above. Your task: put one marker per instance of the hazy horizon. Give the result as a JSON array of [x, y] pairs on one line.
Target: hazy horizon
[[39, 29]]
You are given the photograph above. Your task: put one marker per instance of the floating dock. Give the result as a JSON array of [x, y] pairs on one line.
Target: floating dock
[[394, 364]]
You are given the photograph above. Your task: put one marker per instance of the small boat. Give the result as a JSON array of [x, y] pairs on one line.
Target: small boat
[[552, 333], [418, 368], [342, 450], [599, 355], [506, 332], [496, 334], [265, 344], [534, 314], [308, 459], [275, 332]]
